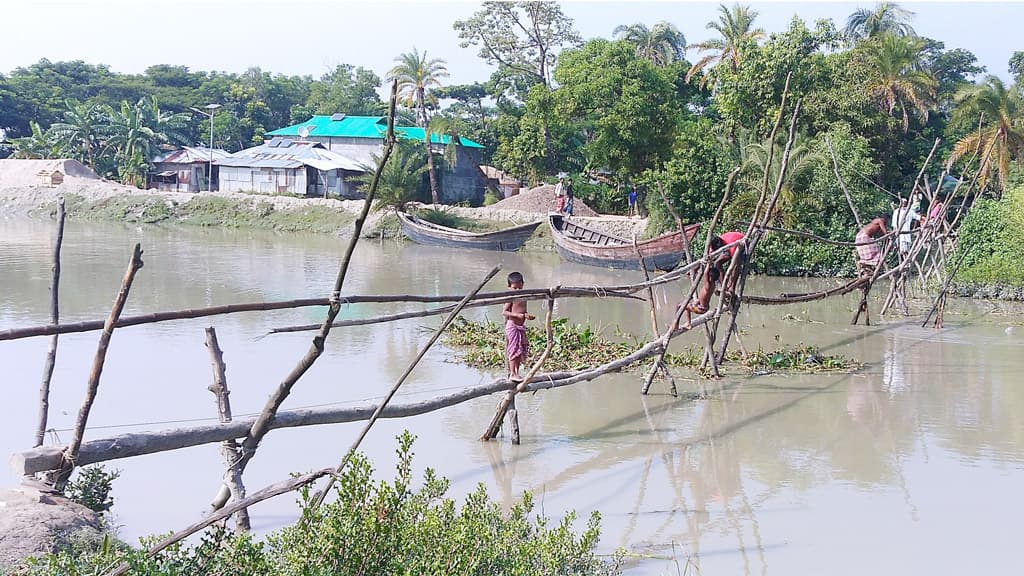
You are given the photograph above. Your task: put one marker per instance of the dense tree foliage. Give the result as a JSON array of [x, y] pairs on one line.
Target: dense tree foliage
[[615, 112]]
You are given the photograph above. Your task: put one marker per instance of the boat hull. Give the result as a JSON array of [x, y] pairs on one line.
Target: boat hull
[[508, 240], [607, 251]]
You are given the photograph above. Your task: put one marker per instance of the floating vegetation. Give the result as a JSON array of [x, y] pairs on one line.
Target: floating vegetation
[[577, 347]]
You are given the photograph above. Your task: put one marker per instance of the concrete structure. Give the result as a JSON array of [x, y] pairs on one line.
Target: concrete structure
[[186, 169], [360, 137], [283, 165]]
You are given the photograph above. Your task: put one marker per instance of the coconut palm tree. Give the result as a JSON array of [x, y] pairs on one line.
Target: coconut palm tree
[[886, 18], [661, 44], [399, 179], [80, 134], [900, 82], [735, 28], [1001, 138], [416, 75], [753, 160]]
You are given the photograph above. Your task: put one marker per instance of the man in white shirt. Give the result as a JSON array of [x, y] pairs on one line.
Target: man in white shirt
[[902, 219]]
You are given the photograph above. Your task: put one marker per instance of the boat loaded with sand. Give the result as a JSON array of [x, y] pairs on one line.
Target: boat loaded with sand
[[578, 243], [423, 232]]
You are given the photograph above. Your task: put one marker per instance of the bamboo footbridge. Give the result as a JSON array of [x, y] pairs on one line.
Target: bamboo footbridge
[[239, 438]]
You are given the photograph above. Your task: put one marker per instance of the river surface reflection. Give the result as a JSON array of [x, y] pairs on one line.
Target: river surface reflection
[[913, 464]]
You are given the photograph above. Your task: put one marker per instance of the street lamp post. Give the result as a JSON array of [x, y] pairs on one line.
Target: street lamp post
[[210, 108]]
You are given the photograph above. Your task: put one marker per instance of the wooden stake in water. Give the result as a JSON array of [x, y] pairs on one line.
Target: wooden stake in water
[[51, 354]]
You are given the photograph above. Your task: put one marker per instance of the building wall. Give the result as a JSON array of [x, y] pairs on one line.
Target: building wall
[[464, 183], [263, 180], [191, 177]]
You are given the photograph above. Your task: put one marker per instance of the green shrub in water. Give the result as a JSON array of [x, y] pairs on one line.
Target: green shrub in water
[[380, 528]]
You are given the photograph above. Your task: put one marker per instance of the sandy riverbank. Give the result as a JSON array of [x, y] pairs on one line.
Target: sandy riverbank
[[101, 199]]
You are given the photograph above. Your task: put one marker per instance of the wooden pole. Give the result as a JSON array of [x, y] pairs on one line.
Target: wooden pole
[[233, 486], [621, 291], [839, 178], [503, 406], [401, 380], [92, 387], [705, 261], [261, 426], [51, 354]]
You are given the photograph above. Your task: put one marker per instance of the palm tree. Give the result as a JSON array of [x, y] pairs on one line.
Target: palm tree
[[735, 28], [900, 79], [754, 158], [1001, 138], [80, 134], [886, 18], [662, 44], [416, 75], [399, 179]]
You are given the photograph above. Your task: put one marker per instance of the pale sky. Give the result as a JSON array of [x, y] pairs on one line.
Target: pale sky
[[310, 37]]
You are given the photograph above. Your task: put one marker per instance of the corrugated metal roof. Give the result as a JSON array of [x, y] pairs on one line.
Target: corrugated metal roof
[[360, 127], [286, 153], [190, 154]]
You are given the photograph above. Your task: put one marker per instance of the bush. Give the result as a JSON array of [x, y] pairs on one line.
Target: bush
[[91, 487], [990, 240], [384, 527]]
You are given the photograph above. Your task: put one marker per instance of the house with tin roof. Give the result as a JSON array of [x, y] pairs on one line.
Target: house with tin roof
[[284, 165], [186, 169], [360, 137]]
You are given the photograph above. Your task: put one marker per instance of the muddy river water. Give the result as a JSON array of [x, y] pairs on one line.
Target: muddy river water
[[912, 465]]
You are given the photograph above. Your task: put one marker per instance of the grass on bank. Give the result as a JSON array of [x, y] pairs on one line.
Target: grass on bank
[[208, 210], [577, 347], [370, 527]]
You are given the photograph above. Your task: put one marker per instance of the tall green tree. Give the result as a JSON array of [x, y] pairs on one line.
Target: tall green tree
[[522, 39], [417, 75], [135, 134], [625, 106], [661, 44], [899, 82], [346, 90], [1001, 139], [400, 178], [37, 145], [886, 18], [735, 28]]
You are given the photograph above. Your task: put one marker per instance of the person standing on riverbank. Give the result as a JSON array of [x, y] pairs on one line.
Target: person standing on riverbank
[[632, 203], [516, 346], [568, 197], [560, 194]]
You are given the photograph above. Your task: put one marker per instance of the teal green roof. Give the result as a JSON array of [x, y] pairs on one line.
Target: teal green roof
[[361, 127]]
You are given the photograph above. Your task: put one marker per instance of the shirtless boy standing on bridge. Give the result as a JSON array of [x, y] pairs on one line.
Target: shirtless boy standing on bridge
[[515, 330]]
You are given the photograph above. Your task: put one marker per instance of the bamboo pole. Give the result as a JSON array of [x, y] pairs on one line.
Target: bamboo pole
[[771, 151], [232, 486], [51, 354], [401, 380], [592, 292], [92, 387], [137, 444], [192, 313], [262, 425], [509, 399], [708, 254], [839, 178]]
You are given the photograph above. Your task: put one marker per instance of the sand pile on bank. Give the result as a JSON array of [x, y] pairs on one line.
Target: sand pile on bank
[[16, 173], [541, 200]]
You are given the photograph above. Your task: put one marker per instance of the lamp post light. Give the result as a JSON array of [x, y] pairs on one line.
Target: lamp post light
[[210, 108]]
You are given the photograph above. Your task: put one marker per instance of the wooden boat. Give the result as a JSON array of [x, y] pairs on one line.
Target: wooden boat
[[577, 243], [423, 232]]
